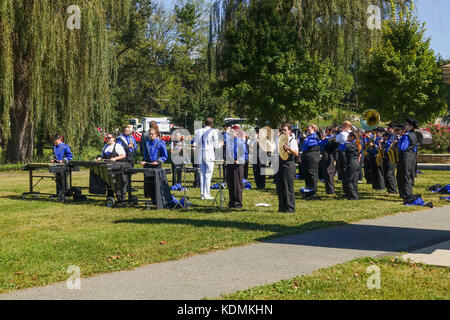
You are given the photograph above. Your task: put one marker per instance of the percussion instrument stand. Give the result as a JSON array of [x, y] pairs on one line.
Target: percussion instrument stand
[[185, 196]]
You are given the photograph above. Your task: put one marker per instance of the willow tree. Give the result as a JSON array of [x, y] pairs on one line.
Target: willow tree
[[55, 79]]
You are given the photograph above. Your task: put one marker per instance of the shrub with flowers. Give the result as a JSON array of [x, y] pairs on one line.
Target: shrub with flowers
[[441, 138]]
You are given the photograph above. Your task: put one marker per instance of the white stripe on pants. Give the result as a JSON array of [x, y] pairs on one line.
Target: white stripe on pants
[[207, 169]]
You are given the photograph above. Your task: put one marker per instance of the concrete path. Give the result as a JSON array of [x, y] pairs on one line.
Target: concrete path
[[437, 255], [222, 272]]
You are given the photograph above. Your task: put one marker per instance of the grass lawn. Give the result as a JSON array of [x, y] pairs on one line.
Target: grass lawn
[[399, 280], [40, 239]]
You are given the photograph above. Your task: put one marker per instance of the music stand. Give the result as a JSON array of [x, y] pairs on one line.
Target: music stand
[[219, 199], [184, 171]]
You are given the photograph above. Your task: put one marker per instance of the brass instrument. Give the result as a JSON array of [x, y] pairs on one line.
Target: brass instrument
[[369, 119]]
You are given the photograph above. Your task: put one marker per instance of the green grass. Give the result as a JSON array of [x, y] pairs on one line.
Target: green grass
[[399, 280], [40, 239]]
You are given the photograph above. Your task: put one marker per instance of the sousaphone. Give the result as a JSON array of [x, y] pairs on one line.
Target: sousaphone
[[265, 138], [282, 140], [369, 119]]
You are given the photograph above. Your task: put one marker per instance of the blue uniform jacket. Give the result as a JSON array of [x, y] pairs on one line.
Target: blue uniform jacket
[[310, 141], [374, 149], [238, 151], [154, 150], [128, 139], [405, 142], [324, 142], [62, 151], [389, 142]]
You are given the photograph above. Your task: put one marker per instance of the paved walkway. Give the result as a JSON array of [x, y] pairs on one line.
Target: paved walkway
[[226, 271], [437, 255]]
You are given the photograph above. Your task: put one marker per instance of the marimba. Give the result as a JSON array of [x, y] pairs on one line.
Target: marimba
[[112, 179]]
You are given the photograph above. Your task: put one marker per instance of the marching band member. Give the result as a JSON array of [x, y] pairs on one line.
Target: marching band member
[[260, 180], [329, 146], [176, 149], [226, 134], [389, 163], [61, 154], [154, 155], [112, 151], [367, 138], [61, 151], [353, 167], [286, 173], [407, 147], [236, 156], [206, 140], [375, 160], [127, 141], [341, 138], [311, 157]]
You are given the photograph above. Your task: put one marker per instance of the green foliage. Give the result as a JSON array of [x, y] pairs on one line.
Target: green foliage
[[62, 78], [269, 73], [401, 78], [341, 116]]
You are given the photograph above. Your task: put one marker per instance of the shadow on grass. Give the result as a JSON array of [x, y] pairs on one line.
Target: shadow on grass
[[279, 229], [347, 236]]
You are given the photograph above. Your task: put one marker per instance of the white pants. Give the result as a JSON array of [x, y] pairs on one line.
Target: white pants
[[206, 174]]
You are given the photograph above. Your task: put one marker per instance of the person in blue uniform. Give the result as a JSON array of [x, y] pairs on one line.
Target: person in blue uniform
[[127, 141], [154, 154], [388, 165], [226, 134], [407, 148], [61, 151], [367, 138], [311, 157], [237, 155], [352, 151], [329, 146], [61, 154], [376, 170]]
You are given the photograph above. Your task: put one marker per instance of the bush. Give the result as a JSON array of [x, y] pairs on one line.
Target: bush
[[441, 138], [88, 153]]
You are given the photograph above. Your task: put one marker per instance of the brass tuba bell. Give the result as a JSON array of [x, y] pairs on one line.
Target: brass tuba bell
[[369, 119]]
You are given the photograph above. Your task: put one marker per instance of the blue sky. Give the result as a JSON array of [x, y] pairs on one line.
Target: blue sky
[[436, 15]]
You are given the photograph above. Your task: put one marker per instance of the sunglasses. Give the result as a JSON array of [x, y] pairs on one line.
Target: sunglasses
[[109, 138]]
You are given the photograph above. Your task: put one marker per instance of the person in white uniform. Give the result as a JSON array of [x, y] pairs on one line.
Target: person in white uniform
[[206, 140]]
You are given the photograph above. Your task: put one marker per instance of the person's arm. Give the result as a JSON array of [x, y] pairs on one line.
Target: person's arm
[[68, 153], [217, 143], [162, 153], [133, 141], [292, 148], [404, 143], [323, 142]]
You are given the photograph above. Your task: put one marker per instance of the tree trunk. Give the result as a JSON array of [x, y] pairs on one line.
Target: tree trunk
[[20, 145]]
